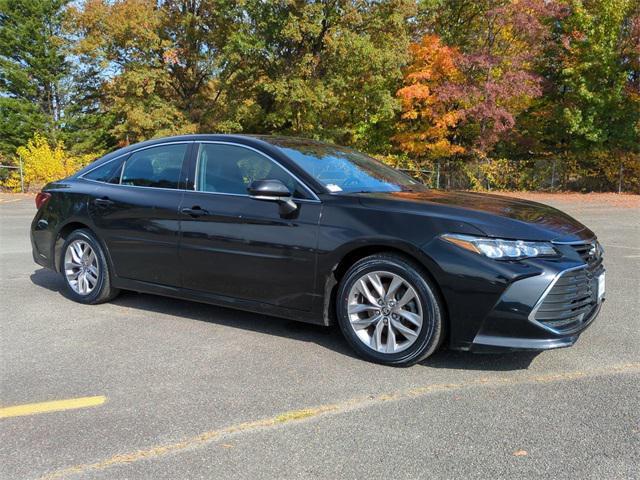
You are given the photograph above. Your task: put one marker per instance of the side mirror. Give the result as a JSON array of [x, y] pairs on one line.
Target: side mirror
[[273, 191]]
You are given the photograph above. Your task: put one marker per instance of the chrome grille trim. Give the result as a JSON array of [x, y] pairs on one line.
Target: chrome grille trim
[[575, 295]]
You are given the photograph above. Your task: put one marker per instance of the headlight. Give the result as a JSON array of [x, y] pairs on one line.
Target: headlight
[[502, 249]]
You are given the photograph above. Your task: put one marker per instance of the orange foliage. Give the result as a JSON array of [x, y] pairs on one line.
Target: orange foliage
[[428, 120]]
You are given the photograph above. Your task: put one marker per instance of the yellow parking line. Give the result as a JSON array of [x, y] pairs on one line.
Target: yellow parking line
[[55, 406]]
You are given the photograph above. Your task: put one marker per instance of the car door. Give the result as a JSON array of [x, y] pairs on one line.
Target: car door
[[137, 214], [242, 248]]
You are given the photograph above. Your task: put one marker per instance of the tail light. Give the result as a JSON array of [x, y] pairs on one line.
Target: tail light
[[42, 198]]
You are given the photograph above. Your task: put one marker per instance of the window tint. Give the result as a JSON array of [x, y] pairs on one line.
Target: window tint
[[108, 173], [158, 167], [231, 169]]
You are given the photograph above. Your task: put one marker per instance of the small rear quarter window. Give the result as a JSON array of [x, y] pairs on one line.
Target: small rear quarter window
[[107, 173]]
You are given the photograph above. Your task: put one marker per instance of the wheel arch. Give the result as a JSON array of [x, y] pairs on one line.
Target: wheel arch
[[65, 231], [424, 262]]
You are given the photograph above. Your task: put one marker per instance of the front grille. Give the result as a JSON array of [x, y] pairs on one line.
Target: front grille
[[572, 299], [590, 252]]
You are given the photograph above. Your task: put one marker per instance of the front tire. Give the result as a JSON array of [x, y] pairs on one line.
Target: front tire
[[388, 310], [85, 270]]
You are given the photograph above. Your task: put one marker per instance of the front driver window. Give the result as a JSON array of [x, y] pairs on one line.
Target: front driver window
[[158, 167], [231, 169]]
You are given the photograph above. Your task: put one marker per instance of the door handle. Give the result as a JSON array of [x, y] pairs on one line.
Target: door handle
[[195, 211], [103, 202]]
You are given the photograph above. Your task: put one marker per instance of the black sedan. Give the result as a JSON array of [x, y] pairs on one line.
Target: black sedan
[[319, 233]]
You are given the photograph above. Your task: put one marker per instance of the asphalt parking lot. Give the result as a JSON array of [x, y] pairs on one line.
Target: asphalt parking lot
[[185, 390]]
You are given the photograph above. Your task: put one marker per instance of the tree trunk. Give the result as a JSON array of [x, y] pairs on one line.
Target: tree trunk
[[620, 178]]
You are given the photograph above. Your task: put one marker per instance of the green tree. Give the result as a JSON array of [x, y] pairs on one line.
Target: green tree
[[33, 69], [87, 124], [327, 69], [198, 33], [588, 120], [594, 96]]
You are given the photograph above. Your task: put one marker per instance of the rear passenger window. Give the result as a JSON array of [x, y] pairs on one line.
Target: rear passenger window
[[158, 167], [107, 173]]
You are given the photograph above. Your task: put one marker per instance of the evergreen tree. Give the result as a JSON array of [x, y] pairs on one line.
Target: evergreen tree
[[33, 67]]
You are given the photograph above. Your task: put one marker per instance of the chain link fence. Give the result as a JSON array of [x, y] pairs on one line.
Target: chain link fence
[[546, 174]]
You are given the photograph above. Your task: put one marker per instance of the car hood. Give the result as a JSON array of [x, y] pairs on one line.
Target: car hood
[[494, 215]]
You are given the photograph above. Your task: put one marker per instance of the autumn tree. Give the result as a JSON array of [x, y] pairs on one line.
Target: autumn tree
[[536, 89], [429, 116], [498, 44], [123, 40]]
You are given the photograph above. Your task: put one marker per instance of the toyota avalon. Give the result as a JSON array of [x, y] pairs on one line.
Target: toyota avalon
[[315, 232]]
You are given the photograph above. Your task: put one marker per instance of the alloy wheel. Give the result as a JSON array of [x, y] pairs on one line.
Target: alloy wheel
[[81, 267], [385, 311]]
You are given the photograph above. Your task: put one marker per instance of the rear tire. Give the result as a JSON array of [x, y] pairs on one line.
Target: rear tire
[[389, 311], [85, 270]]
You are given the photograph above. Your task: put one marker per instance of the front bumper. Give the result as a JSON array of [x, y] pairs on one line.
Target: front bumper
[[569, 303], [500, 305], [484, 343]]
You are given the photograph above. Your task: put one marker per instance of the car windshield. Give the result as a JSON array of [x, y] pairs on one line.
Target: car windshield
[[344, 170]]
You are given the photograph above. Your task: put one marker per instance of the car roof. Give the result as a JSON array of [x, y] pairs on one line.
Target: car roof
[[278, 140]]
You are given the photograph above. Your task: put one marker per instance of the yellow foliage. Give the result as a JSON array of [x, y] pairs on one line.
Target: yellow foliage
[[43, 163]]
